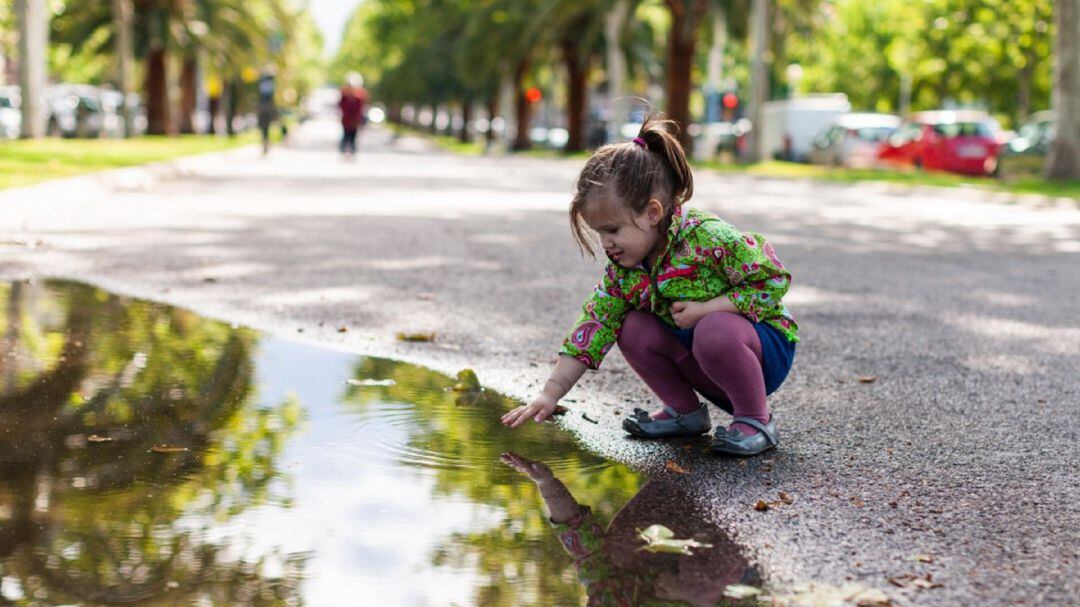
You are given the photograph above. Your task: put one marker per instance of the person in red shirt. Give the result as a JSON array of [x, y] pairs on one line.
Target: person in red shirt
[[353, 107]]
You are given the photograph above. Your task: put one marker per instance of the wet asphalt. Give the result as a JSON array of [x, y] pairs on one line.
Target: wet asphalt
[[929, 426]]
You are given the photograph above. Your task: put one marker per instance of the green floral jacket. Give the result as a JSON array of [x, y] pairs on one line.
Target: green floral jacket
[[705, 257]]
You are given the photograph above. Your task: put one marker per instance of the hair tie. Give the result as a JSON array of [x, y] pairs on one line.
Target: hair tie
[[640, 141]]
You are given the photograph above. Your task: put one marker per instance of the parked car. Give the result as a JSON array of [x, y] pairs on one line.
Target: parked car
[[958, 141], [852, 140], [74, 110], [1025, 156], [10, 114]]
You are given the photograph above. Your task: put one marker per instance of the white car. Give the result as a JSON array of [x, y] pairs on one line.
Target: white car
[[853, 140], [10, 115]]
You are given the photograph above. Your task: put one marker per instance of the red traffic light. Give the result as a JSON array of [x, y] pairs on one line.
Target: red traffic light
[[533, 94], [730, 101]]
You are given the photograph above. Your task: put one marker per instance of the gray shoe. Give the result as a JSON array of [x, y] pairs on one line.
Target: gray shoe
[[642, 425], [733, 442]]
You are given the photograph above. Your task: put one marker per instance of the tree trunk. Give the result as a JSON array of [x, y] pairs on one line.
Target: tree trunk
[[214, 107], [616, 67], [464, 136], [231, 102], [125, 78], [685, 15], [577, 76], [714, 80], [157, 94], [188, 95], [492, 112], [759, 80], [33, 18], [1063, 161], [523, 109]]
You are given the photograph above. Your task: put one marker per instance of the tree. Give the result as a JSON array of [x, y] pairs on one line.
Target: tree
[[1063, 161], [33, 17]]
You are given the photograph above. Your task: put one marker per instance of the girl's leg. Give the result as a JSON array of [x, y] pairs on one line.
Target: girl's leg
[[655, 354], [728, 352]]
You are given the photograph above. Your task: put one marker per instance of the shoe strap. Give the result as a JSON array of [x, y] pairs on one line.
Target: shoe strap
[[749, 421], [673, 413]]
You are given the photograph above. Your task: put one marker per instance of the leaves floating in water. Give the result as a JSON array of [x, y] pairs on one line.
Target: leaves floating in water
[[366, 383], [168, 449], [867, 379], [741, 591], [467, 381], [419, 337], [659, 538], [671, 466], [94, 438]]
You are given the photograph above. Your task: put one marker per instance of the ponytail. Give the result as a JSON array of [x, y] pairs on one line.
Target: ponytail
[[652, 165]]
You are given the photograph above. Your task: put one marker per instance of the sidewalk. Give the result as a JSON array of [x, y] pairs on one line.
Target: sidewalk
[[966, 314]]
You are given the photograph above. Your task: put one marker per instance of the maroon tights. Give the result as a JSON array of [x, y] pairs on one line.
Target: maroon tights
[[724, 364]]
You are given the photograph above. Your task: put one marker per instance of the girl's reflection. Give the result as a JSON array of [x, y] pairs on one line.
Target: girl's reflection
[[611, 564]]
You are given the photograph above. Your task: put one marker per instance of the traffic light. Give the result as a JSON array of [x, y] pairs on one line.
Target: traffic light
[[729, 106]]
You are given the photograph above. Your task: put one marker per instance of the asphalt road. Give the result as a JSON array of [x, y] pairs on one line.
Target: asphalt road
[[963, 451]]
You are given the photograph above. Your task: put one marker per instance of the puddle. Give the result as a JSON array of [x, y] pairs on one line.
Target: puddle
[[149, 456]]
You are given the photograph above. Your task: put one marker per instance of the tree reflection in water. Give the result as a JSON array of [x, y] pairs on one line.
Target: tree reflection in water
[[89, 383]]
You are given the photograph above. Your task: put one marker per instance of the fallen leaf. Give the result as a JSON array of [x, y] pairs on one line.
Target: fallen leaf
[[671, 466], [168, 449], [343, 329], [94, 438], [416, 337], [786, 497], [588, 419], [911, 581], [867, 379], [560, 410], [761, 506], [922, 558], [426, 296], [659, 538], [741, 591]]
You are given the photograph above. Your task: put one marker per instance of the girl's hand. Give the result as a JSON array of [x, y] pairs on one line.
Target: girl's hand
[[536, 471], [539, 409], [688, 313]]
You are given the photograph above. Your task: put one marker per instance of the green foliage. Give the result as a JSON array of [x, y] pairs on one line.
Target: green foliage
[[983, 53], [91, 382]]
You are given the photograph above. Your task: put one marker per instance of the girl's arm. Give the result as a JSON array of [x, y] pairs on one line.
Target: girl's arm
[[568, 370], [560, 502]]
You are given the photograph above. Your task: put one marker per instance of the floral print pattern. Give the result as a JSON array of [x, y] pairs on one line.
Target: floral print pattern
[[705, 258]]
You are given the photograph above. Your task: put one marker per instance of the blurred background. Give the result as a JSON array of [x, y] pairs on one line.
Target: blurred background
[[945, 86]]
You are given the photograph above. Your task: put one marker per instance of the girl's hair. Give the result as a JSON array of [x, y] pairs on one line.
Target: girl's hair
[[652, 165]]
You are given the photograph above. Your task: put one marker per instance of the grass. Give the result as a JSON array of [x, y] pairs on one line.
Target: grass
[[24, 162], [791, 170]]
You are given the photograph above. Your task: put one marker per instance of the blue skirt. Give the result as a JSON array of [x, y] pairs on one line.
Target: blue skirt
[[777, 353]]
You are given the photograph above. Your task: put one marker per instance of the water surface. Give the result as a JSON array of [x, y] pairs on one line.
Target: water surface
[[149, 456]]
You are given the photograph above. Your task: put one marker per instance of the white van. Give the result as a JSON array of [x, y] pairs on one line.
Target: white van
[[792, 124]]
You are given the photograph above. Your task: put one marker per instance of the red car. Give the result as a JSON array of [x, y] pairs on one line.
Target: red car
[[960, 141]]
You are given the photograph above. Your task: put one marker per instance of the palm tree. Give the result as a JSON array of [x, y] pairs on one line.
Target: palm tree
[[1063, 161]]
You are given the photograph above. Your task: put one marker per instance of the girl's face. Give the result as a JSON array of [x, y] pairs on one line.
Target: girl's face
[[627, 238]]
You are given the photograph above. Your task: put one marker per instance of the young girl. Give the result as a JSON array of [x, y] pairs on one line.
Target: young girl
[[694, 304]]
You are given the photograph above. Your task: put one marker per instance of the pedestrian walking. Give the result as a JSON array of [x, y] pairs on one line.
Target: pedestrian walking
[[693, 303], [353, 106], [266, 111]]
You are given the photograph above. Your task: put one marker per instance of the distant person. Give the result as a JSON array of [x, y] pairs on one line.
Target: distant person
[[266, 112], [353, 106], [610, 561], [693, 303]]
